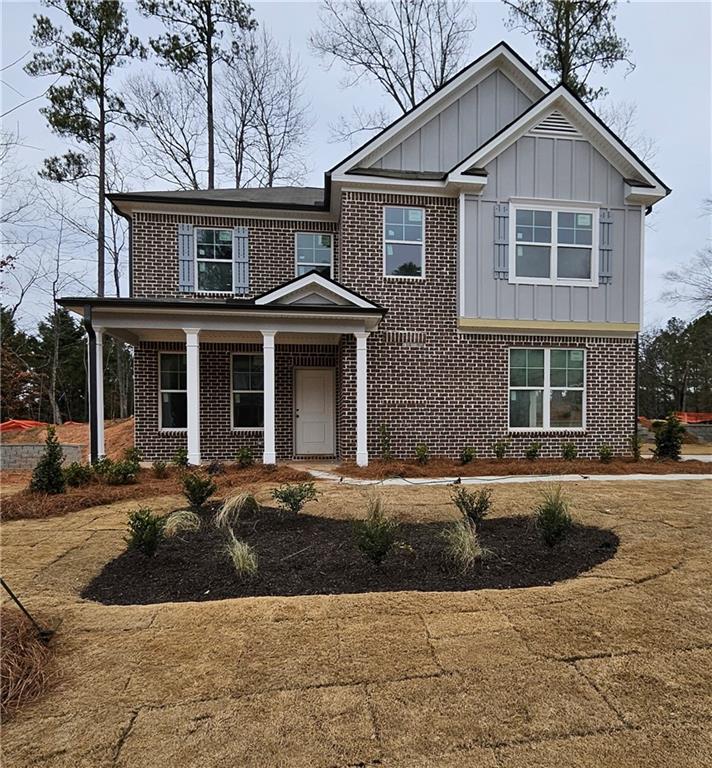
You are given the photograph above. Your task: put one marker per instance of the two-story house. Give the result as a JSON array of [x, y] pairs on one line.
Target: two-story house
[[470, 274]]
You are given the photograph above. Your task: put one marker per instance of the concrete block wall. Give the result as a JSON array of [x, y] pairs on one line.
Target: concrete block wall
[[27, 455]]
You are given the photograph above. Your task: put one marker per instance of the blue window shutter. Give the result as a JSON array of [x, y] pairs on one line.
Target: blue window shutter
[[501, 242], [241, 260], [186, 260], [605, 247]]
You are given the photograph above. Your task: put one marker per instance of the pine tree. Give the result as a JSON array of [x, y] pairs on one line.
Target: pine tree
[[47, 476]]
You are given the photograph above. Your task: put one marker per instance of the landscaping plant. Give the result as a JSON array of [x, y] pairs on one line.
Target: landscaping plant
[[500, 448], [133, 455], [179, 521], [376, 534], [103, 465], [473, 505], [636, 446], [234, 507], [293, 497], [533, 450], [244, 457], [605, 453], [552, 517], [215, 468], [146, 531], [198, 488], [78, 474], [180, 458], [467, 454], [47, 476], [462, 545], [121, 473], [668, 438], [421, 453], [569, 451], [384, 437], [160, 469], [243, 556]]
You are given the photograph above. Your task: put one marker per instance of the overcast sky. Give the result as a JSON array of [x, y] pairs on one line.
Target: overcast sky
[[671, 86]]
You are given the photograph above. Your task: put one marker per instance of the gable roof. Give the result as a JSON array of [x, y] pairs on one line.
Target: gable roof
[[314, 284]]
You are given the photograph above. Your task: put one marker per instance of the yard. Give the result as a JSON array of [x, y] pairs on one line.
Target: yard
[[612, 667]]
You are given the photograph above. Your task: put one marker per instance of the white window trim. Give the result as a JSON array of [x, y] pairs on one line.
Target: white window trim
[[313, 266], [161, 428], [553, 245], [198, 289], [404, 242], [547, 390], [233, 428]]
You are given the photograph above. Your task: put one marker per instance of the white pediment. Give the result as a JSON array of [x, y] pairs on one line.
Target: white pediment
[[313, 289]]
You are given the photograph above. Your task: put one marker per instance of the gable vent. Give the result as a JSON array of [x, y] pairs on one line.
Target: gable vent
[[555, 124]]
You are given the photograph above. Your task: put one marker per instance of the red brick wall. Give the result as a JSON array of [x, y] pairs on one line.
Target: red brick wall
[[272, 258]]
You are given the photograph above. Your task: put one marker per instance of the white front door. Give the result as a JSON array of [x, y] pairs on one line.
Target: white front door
[[314, 411]]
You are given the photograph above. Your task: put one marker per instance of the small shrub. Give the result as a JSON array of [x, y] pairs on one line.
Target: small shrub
[[180, 521], [146, 531], [376, 535], [160, 469], [473, 505], [467, 454], [293, 497], [668, 438], [605, 453], [198, 488], [552, 516], [234, 507], [133, 455], [103, 466], [462, 546], [421, 453], [121, 473], [180, 458], [78, 474], [244, 457], [500, 448], [47, 476], [533, 450], [215, 468], [636, 446], [243, 556], [384, 437], [569, 451]]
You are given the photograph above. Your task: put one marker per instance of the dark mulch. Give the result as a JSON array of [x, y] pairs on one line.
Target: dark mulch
[[315, 555]]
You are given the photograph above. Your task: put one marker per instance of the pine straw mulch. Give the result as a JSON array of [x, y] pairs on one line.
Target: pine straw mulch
[[437, 467], [24, 662], [27, 504]]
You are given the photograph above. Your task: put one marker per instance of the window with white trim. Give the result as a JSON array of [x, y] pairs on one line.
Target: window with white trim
[[247, 391], [403, 242], [550, 245], [173, 395], [314, 251], [213, 257], [547, 389]]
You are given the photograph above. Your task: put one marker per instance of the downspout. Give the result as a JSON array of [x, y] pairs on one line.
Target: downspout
[[93, 427], [636, 398]]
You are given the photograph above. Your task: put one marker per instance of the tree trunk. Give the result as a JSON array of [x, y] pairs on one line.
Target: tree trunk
[[209, 99], [101, 230]]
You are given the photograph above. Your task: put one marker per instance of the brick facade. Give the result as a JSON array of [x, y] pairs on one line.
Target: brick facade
[[427, 381]]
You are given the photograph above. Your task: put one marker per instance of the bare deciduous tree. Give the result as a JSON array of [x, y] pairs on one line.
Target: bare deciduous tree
[[692, 283], [409, 47], [622, 118]]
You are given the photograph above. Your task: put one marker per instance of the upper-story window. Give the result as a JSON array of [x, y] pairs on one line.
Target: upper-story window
[[314, 251], [213, 256], [403, 242], [553, 245]]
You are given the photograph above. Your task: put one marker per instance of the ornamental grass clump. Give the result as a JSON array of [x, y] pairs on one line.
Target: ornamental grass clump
[[181, 521], [473, 505], [234, 507], [293, 497], [146, 531], [376, 535], [198, 488], [47, 476], [462, 549], [552, 517], [243, 557]]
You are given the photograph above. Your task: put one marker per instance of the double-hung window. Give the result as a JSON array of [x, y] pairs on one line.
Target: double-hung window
[[404, 242], [213, 257], [546, 389], [553, 246], [247, 391], [314, 251], [173, 390]]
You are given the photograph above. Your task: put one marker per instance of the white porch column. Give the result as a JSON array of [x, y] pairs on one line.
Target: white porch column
[[361, 400], [100, 447], [269, 456], [192, 358]]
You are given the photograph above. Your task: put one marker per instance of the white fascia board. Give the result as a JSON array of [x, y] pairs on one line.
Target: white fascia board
[[314, 281], [499, 58], [642, 195], [602, 139], [363, 180], [452, 185]]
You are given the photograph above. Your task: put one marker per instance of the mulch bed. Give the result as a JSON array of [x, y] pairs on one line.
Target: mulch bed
[[437, 467], [27, 504], [307, 555]]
